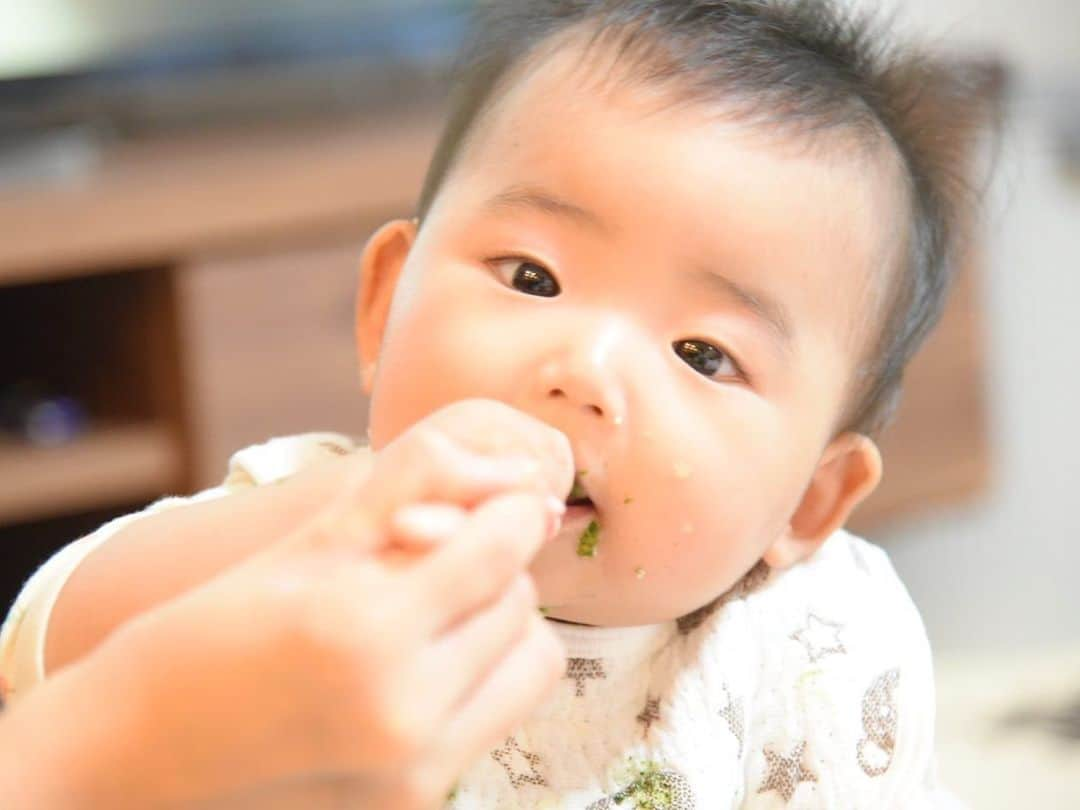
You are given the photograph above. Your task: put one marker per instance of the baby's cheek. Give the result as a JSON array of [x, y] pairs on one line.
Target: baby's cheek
[[702, 528], [687, 566], [429, 360]]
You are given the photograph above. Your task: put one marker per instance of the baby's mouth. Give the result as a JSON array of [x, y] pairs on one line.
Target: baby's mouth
[[581, 512], [582, 518], [578, 496]]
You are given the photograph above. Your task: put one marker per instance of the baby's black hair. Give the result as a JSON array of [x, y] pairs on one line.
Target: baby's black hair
[[801, 68]]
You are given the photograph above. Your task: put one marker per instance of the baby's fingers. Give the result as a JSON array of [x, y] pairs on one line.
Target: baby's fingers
[[477, 565]]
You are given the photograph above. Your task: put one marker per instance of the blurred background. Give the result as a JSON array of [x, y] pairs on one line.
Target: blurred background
[[184, 191]]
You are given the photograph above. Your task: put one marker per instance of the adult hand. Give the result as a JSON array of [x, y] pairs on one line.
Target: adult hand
[[364, 661]]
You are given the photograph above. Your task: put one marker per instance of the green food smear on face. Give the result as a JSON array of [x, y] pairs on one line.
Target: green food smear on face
[[651, 790], [577, 491], [586, 546], [544, 611]]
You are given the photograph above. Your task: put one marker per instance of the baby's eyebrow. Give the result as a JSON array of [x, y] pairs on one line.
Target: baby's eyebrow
[[538, 199], [767, 308]]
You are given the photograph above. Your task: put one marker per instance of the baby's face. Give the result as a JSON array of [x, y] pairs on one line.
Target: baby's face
[[677, 297]]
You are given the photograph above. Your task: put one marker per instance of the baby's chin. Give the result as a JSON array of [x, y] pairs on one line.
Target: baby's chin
[[593, 581], [647, 606], [598, 589], [599, 612]]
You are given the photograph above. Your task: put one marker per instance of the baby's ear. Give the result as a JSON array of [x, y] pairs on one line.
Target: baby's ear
[[849, 470], [380, 267]]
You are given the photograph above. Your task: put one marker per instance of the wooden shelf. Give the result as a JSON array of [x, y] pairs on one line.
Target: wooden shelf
[[110, 465], [163, 201]]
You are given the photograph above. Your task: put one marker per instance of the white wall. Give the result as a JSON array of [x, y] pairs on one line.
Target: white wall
[[1040, 36], [1005, 572]]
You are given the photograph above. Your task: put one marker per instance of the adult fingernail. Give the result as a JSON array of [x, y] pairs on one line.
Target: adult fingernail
[[556, 509]]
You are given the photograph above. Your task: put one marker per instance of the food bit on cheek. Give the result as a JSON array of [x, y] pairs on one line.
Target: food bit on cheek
[[682, 470], [586, 546], [628, 500], [639, 572], [577, 491], [543, 610]]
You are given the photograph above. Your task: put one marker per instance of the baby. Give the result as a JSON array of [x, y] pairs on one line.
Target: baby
[[700, 239]]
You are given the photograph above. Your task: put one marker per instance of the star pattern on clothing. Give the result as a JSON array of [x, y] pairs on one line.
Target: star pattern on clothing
[[733, 715], [786, 773], [879, 719], [819, 637], [650, 714], [520, 765], [580, 670]]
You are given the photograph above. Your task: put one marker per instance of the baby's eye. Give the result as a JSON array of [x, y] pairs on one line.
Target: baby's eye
[[527, 277], [705, 358]]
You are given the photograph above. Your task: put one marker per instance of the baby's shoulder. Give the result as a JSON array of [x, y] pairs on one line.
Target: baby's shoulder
[[849, 581], [283, 456], [843, 612]]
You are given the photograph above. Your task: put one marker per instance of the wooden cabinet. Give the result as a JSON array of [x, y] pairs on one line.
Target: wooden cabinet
[[109, 341], [197, 294], [269, 349]]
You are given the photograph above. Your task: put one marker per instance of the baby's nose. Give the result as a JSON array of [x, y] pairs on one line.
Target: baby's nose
[[591, 407], [586, 377]]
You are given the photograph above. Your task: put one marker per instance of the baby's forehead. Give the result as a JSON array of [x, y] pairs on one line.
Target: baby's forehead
[[688, 176], [565, 85]]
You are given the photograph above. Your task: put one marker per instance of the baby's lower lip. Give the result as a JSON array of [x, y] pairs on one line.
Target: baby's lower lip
[[579, 524], [579, 513]]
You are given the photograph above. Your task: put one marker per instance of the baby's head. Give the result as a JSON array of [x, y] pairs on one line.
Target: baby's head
[[700, 238]]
